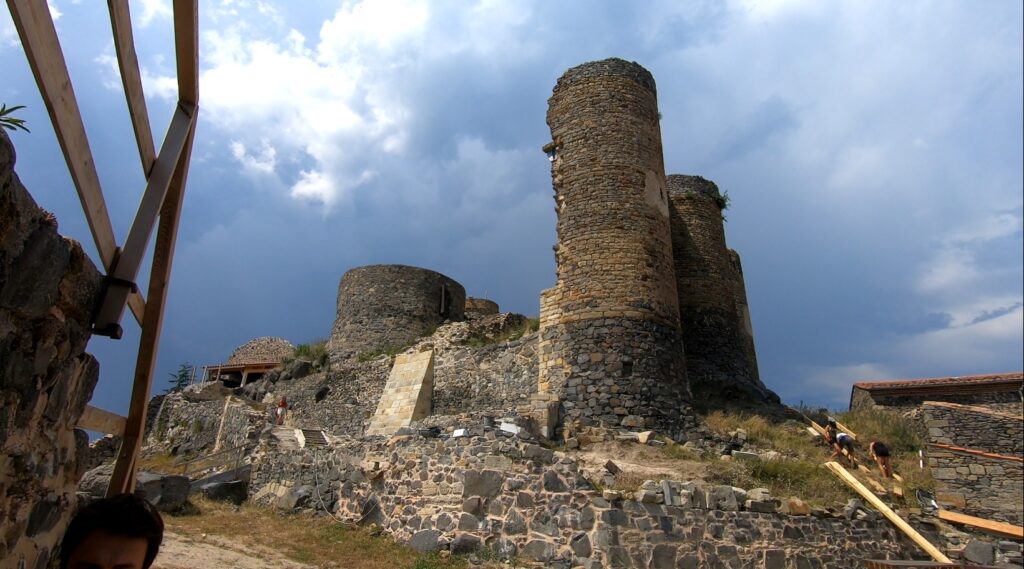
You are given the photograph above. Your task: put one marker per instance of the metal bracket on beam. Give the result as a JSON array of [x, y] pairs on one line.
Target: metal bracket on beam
[[126, 265]]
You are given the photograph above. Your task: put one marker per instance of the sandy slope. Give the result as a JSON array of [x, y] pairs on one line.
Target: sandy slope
[[214, 552]]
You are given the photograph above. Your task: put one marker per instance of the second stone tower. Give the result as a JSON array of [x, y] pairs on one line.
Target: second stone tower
[[611, 349]]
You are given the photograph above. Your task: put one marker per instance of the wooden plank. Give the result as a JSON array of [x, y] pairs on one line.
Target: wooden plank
[[879, 505], [846, 430], [126, 268], [1001, 528], [123, 478], [95, 419], [39, 38], [813, 432], [977, 452], [186, 49], [131, 79]]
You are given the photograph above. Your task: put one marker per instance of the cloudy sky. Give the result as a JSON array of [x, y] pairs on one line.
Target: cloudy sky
[[872, 151]]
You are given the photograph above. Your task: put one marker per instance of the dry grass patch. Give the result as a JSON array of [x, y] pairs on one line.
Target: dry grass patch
[[163, 463], [315, 540]]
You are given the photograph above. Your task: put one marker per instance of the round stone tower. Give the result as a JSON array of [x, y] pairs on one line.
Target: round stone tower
[[720, 361], [611, 349], [390, 306]]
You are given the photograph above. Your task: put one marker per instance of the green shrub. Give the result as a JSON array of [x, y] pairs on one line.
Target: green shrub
[[315, 351], [510, 334]]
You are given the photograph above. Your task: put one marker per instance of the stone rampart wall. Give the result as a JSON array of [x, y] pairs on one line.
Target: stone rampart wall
[[388, 306], [990, 488], [519, 499], [974, 427], [264, 349], [48, 291]]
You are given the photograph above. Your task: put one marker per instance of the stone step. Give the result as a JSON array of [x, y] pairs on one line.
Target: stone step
[[314, 437]]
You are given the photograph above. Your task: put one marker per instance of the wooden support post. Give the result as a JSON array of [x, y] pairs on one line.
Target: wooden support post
[[99, 420], [131, 79], [123, 478], [879, 505], [1001, 528]]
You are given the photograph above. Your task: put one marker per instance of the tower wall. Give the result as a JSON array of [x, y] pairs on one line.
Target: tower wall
[[610, 341], [389, 306], [717, 337]]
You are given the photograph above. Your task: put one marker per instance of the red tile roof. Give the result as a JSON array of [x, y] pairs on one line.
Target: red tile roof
[[1010, 380]]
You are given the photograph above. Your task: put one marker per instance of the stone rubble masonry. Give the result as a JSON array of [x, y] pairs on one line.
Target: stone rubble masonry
[[390, 306], [990, 488], [974, 428], [406, 396], [987, 487], [48, 291], [516, 498], [717, 335], [492, 379], [477, 307], [610, 337], [264, 349]]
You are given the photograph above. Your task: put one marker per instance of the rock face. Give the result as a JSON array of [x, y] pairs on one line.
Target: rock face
[[477, 307], [610, 336], [390, 306], [717, 334], [259, 350], [48, 291]]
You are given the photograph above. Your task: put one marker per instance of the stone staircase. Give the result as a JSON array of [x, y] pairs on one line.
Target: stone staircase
[[287, 438], [314, 438]]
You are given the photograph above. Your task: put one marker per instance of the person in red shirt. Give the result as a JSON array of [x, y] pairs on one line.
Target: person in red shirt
[[282, 408]]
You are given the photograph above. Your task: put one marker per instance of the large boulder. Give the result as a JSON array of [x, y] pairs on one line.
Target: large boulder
[[168, 492], [94, 482], [234, 491]]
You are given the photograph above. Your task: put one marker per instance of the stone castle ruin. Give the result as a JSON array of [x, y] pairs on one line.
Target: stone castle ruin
[[450, 424]]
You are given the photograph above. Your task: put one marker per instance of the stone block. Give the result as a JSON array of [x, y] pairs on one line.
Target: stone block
[[981, 552], [486, 483], [425, 541], [464, 543]]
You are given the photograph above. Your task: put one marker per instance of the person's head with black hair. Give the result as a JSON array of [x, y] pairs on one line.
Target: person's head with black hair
[[120, 532]]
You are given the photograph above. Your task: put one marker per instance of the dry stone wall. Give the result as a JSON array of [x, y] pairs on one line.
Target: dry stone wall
[[990, 488], [611, 346], [264, 349], [519, 499], [720, 360], [48, 291], [975, 428], [1008, 401], [490, 379], [477, 307], [388, 306]]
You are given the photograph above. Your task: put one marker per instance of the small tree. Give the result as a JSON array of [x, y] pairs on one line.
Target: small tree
[[9, 122], [180, 379]]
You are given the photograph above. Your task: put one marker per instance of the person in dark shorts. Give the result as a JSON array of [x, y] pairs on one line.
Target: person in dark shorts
[[840, 442], [120, 532], [880, 452]]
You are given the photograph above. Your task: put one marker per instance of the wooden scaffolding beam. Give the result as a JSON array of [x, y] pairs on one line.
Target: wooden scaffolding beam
[[186, 36], [893, 517], [131, 79], [1001, 528]]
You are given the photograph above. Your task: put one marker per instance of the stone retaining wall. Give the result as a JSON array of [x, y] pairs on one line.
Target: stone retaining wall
[[987, 487], [520, 499], [48, 291], [974, 427]]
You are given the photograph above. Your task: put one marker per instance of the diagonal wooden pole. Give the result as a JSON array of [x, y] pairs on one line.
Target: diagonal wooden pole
[[123, 478]]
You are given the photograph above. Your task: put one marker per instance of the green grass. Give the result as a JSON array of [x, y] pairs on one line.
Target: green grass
[[315, 540], [389, 351], [314, 351]]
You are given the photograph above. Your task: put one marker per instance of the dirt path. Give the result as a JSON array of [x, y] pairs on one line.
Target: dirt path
[[641, 460], [213, 552]]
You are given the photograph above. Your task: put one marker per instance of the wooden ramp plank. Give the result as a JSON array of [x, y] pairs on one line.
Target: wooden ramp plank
[[846, 430], [879, 505], [1001, 528]]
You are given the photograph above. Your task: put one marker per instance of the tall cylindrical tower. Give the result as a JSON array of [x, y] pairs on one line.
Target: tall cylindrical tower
[[610, 347], [719, 364]]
